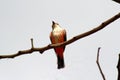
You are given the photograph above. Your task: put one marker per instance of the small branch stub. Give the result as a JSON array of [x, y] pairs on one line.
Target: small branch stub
[[32, 46]]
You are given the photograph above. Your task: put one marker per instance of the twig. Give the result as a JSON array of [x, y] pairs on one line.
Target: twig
[[118, 67], [118, 1], [32, 46], [50, 46], [97, 61]]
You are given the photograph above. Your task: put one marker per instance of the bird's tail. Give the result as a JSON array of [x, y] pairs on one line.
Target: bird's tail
[[60, 62]]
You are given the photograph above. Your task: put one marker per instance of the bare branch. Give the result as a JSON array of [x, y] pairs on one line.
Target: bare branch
[[97, 61], [118, 67], [50, 46], [118, 1]]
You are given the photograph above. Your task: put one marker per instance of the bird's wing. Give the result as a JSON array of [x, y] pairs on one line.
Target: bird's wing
[[65, 35], [51, 34]]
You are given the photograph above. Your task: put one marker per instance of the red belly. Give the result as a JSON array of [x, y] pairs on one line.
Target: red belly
[[59, 51]]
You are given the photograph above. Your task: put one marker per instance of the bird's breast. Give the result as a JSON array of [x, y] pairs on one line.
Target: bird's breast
[[58, 36]]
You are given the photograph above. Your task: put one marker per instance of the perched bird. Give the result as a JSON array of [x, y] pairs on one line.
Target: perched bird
[[58, 35]]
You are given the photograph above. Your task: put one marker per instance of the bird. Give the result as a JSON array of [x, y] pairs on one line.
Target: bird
[[58, 35]]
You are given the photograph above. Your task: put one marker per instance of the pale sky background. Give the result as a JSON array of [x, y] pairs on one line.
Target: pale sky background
[[21, 20]]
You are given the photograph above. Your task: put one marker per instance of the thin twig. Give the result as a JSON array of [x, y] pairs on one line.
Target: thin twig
[[118, 1], [32, 46], [50, 46], [97, 61]]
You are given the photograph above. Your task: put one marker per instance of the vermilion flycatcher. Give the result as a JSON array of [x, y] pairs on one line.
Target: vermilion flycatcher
[[58, 35]]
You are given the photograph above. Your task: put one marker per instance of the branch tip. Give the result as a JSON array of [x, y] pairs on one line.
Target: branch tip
[[32, 43], [118, 1], [98, 54], [99, 48]]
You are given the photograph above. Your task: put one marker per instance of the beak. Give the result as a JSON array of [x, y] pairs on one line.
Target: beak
[[53, 22]]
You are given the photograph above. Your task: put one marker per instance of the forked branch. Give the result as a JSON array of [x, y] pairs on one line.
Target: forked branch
[[97, 61], [50, 46]]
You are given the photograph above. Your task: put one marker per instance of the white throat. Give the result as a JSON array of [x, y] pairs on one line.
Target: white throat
[[57, 28]]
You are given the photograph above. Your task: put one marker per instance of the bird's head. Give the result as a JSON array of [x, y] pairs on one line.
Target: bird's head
[[54, 24]]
